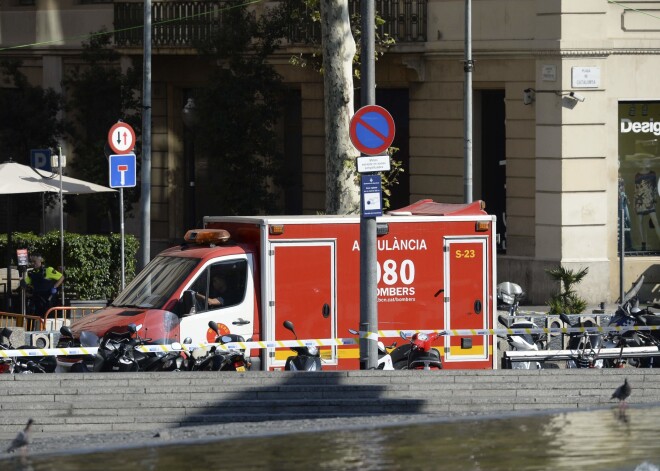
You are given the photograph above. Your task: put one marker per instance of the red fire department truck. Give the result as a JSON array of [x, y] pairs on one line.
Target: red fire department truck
[[436, 270]]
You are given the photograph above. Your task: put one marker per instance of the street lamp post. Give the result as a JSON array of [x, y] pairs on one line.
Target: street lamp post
[[188, 114], [468, 67], [61, 163], [145, 197]]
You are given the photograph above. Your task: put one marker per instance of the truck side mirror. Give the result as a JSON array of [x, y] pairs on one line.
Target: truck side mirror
[[189, 302]]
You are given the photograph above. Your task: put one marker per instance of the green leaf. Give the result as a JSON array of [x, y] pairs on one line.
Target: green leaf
[[92, 263]]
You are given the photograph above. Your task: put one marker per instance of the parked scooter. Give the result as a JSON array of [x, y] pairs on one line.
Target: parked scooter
[[417, 354], [307, 358], [25, 365], [509, 296], [384, 354], [218, 359], [523, 342]]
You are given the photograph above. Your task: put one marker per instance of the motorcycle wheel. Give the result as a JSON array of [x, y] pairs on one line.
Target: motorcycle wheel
[[44, 364], [220, 363], [79, 367], [647, 363]]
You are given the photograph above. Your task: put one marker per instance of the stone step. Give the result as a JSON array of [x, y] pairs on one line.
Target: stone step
[[98, 402]]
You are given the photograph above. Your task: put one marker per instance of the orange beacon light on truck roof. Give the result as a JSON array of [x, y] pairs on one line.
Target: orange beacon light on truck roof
[[207, 236]]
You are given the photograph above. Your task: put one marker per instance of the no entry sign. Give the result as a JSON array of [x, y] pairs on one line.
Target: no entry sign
[[372, 130]]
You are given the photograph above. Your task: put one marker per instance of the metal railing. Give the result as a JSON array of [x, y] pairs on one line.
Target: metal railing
[[512, 356], [54, 318], [186, 23], [29, 323]]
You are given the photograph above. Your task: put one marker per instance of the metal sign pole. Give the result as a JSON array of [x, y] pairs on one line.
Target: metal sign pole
[[122, 174], [121, 229], [622, 246], [60, 163], [368, 256]]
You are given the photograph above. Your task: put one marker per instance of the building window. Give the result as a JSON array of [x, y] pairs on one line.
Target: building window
[[639, 168]]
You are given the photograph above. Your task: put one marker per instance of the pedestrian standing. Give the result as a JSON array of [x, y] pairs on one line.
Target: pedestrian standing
[[44, 281]]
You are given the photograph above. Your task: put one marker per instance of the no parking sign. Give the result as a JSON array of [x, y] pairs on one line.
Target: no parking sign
[[372, 130]]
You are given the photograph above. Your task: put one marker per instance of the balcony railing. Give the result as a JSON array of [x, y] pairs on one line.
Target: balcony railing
[[185, 23]]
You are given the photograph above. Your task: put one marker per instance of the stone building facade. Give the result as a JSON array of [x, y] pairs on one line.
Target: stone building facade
[[565, 110]]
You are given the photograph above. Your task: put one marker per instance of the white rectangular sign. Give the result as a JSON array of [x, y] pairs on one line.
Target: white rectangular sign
[[373, 163], [549, 73], [585, 77]]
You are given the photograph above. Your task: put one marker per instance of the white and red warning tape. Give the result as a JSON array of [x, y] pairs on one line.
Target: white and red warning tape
[[35, 352]]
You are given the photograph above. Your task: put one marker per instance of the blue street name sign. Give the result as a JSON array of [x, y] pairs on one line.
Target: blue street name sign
[[371, 196], [123, 173], [40, 159]]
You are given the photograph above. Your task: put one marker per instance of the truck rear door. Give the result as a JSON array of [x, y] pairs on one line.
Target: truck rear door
[[466, 297], [302, 290]]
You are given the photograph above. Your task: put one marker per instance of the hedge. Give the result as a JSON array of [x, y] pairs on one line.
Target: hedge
[[92, 263]]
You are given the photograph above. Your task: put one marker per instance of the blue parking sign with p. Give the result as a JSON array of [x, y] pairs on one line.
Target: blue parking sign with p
[[123, 173], [40, 159]]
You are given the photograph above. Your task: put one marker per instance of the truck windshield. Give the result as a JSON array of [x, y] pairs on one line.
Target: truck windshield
[[155, 284]]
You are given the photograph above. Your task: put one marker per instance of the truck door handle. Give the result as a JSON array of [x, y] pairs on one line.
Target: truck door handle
[[326, 311], [477, 306], [240, 322]]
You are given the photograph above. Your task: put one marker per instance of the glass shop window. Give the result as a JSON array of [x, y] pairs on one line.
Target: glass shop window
[[639, 168]]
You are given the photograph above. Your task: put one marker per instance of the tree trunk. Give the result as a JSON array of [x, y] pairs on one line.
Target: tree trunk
[[342, 195]]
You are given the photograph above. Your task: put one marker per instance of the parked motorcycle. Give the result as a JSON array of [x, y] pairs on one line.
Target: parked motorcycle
[[630, 314], [417, 354], [5, 363], [523, 342], [117, 351], [384, 356], [117, 348], [218, 359], [307, 358], [25, 365]]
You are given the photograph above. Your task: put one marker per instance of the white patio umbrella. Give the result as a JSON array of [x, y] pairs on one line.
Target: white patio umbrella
[[16, 178]]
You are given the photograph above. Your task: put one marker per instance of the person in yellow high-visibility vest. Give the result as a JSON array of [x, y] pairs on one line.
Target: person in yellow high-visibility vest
[[44, 281]]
